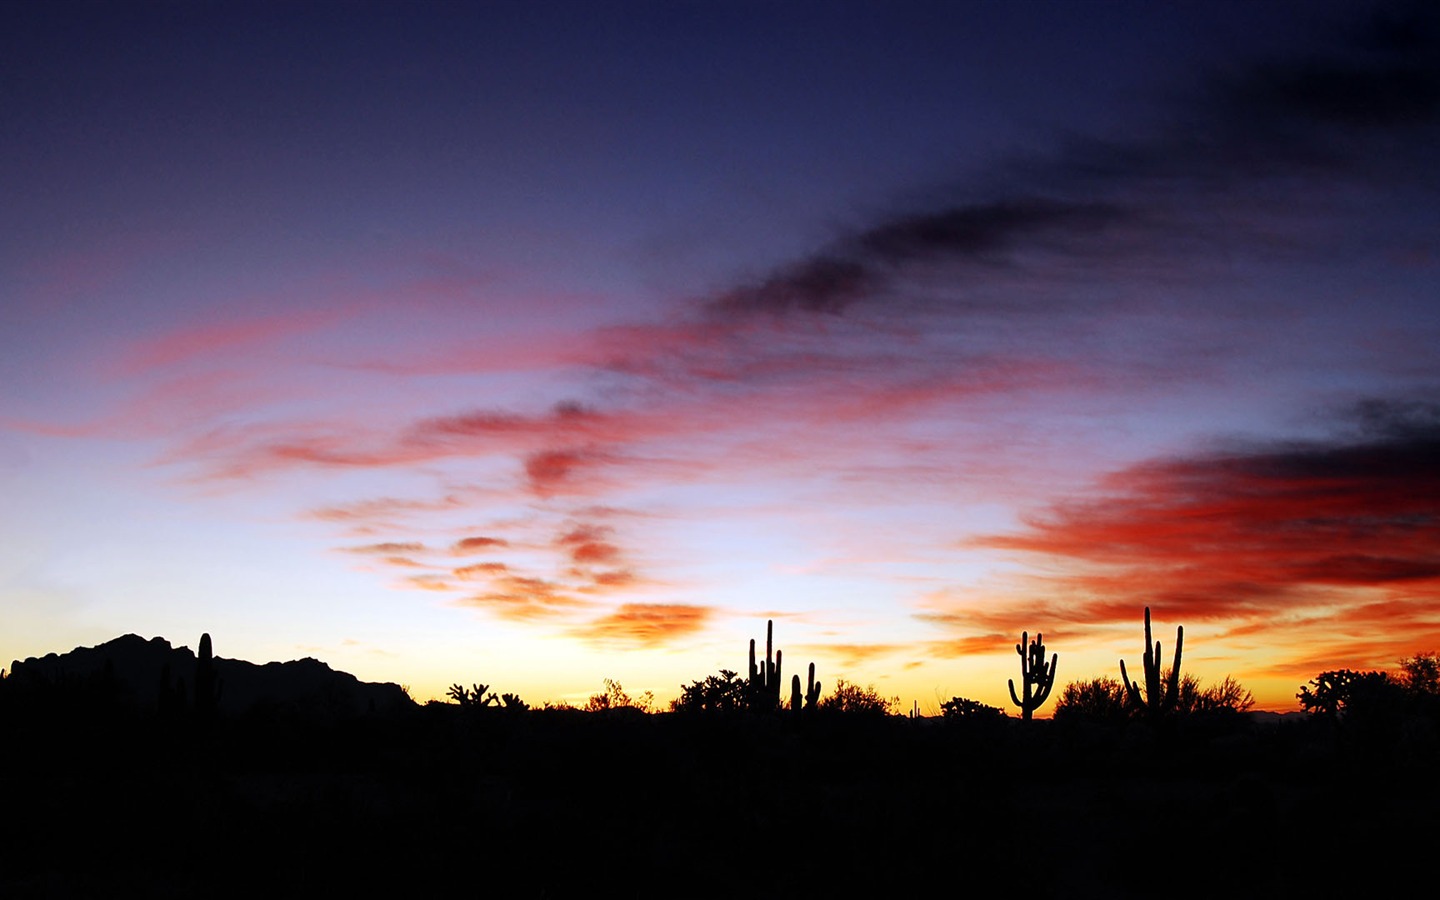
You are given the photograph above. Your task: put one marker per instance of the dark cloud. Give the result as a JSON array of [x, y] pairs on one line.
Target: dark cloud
[[1386, 76], [1364, 108], [976, 231], [825, 284], [867, 263]]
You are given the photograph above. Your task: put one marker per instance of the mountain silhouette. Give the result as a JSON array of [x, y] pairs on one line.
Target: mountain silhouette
[[141, 672]]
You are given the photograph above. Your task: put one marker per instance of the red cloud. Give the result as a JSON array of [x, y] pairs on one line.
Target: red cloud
[[1296, 527], [553, 472], [614, 579], [467, 546], [589, 544]]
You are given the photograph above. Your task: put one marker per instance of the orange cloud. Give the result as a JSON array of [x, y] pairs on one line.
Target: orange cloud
[[480, 570], [647, 624], [523, 598]]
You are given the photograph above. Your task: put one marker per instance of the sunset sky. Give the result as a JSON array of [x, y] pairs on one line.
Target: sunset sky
[[540, 343]]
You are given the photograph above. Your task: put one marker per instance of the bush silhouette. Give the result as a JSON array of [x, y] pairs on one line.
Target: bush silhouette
[[1100, 699], [1226, 696], [1421, 673], [614, 697], [1340, 691], [963, 709], [722, 693], [853, 699]]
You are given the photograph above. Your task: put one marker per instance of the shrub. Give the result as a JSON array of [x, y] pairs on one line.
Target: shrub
[[963, 709], [1339, 691], [614, 697], [715, 693], [1097, 700], [1226, 696], [854, 699]]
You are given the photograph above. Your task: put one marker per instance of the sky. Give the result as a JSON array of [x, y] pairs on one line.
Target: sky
[[535, 344]]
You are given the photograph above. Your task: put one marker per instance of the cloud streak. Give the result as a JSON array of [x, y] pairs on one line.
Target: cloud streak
[[1346, 528], [646, 624]]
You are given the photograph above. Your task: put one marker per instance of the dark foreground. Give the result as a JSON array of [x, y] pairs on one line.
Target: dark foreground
[[441, 801]]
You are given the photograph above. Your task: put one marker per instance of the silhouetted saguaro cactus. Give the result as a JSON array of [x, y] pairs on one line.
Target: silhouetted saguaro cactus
[[811, 695], [1155, 703], [208, 685], [765, 681], [1036, 677]]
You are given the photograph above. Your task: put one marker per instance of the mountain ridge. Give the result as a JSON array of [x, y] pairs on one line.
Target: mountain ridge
[[145, 672]]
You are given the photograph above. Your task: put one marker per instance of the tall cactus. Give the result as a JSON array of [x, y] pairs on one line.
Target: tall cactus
[[765, 680], [1154, 702], [1036, 677], [812, 692], [208, 685]]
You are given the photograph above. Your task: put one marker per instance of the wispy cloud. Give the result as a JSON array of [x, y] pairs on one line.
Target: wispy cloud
[[1340, 530], [207, 341], [388, 547], [646, 624], [524, 598], [477, 544]]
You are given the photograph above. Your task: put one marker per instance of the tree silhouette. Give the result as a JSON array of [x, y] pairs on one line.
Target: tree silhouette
[[1421, 673]]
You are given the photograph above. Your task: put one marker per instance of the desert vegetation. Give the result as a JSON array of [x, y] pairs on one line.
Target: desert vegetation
[[356, 787]]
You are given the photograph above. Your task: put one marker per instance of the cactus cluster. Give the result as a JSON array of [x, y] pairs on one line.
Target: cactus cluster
[[474, 697], [763, 688], [1155, 702], [765, 677]]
